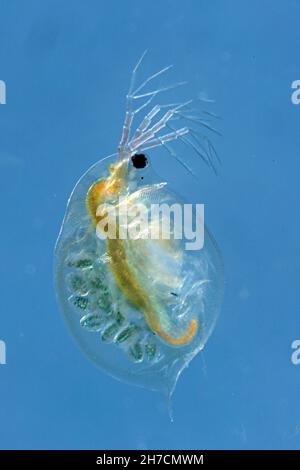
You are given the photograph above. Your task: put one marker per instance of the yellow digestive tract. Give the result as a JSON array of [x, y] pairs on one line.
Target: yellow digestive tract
[[124, 275]]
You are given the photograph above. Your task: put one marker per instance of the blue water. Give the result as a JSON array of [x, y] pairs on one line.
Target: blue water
[[66, 66]]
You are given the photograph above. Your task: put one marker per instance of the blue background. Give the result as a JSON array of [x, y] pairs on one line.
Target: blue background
[[66, 66]]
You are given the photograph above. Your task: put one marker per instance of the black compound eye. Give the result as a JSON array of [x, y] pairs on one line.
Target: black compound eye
[[139, 160]]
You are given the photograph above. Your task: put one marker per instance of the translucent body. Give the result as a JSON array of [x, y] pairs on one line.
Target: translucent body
[[183, 286]]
